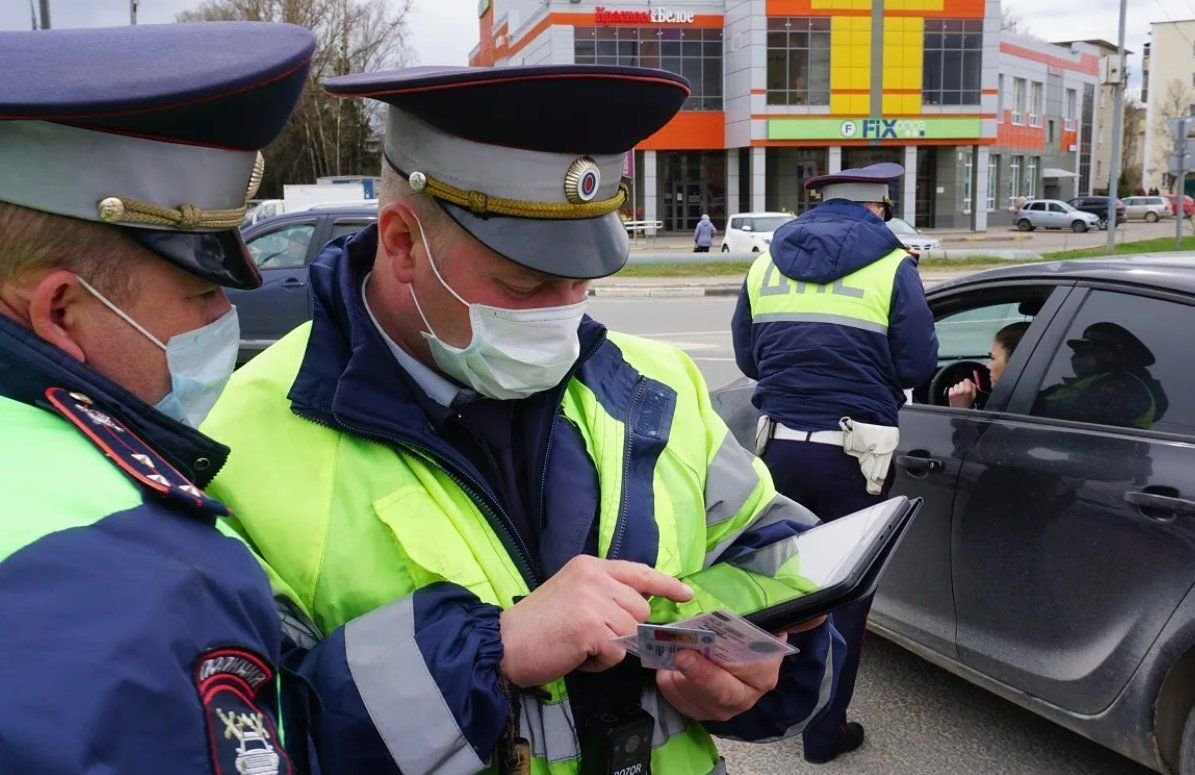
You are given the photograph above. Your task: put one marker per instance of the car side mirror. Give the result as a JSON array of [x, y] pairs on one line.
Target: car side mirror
[[746, 228]]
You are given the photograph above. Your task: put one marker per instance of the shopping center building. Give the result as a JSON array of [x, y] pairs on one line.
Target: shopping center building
[[784, 90]]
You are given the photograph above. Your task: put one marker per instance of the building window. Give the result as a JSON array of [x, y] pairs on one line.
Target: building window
[[1018, 100], [968, 169], [993, 180], [1050, 131], [1035, 103], [1071, 118], [1031, 177], [799, 61], [1014, 181], [952, 61], [1000, 101], [695, 54], [1087, 117]]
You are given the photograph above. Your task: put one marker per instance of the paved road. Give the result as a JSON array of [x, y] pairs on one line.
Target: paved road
[[920, 720], [996, 238]]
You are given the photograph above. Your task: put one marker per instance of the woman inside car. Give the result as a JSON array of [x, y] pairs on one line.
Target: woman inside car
[[964, 394]]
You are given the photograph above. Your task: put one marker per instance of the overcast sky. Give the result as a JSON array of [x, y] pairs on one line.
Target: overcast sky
[[444, 31]]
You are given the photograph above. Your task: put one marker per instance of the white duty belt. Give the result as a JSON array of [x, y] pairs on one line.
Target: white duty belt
[[872, 445]]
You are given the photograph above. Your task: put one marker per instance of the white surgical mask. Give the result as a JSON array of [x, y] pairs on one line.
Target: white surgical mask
[[200, 362], [514, 353]]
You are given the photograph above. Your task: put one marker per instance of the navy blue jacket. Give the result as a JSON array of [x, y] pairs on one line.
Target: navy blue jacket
[[812, 374], [350, 381], [137, 638]]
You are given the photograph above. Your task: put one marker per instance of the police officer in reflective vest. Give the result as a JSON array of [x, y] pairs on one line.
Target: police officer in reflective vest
[[137, 637], [832, 321], [471, 485]]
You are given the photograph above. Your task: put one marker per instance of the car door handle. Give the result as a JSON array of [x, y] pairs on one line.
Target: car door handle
[[1160, 505], [919, 464], [293, 283]]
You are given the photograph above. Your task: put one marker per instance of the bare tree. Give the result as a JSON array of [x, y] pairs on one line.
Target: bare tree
[[327, 135], [1134, 134], [1178, 102], [1011, 21]]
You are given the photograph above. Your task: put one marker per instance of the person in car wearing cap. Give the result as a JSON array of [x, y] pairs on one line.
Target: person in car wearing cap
[[1112, 384], [137, 637], [833, 323], [472, 486]]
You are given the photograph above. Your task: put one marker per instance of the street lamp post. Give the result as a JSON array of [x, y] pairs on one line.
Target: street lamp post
[[1117, 132], [133, 12], [44, 9]]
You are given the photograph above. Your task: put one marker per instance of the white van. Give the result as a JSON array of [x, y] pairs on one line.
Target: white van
[[752, 232]]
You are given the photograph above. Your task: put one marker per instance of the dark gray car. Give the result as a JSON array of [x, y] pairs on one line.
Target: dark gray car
[[1054, 560], [283, 247]]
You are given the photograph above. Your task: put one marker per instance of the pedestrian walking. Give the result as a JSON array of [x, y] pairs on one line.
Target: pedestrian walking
[[833, 323], [703, 235]]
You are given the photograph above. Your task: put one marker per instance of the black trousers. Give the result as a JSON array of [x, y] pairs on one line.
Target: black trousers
[[828, 482]]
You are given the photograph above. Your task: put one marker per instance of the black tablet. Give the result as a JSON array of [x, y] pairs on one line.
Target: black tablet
[[779, 586]]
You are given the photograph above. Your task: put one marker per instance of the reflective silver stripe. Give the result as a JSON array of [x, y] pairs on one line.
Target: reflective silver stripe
[[669, 721], [719, 768], [730, 480], [813, 317], [550, 729], [778, 509], [766, 561], [402, 697]]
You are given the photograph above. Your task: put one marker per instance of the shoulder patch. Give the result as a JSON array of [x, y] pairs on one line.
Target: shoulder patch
[[132, 455], [243, 739]]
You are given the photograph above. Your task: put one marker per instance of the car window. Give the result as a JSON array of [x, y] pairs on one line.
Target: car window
[[1132, 201], [736, 223], [283, 248], [1056, 207], [968, 335], [341, 228], [1125, 362], [770, 223]]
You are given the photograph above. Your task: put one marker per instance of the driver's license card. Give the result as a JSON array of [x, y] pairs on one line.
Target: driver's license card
[[658, 645]]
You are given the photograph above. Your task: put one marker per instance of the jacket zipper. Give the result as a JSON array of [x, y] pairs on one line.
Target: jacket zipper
[[556, 399], [493, 511], [628, 446]]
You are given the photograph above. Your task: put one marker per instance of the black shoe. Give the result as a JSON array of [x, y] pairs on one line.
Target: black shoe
[[852, 738]]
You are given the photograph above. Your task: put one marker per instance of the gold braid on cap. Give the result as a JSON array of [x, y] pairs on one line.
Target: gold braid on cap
[[119, 209], [483, 204]]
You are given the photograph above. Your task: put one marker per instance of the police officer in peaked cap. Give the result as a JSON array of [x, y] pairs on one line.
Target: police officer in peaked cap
[[482, 483], [833, 324], [137, 637]]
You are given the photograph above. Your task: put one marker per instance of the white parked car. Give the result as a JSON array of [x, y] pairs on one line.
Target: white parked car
[[752, 232], [911, 238]]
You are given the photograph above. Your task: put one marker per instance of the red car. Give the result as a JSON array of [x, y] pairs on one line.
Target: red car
[[1188, 204]]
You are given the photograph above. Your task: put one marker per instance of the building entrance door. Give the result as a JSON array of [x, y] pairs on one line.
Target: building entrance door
[[692, 184]]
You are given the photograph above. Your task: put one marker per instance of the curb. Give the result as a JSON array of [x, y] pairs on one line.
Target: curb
[[664, 292]]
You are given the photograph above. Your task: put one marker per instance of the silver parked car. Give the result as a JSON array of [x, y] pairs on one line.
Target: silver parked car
[[1053, 214], [1148, 208]]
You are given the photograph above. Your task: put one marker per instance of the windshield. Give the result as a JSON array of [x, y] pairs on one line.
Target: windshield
[[1067, 207], [770, 223], [901, 226]]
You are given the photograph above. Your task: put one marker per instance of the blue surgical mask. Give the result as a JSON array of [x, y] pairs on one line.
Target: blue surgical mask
[[200, 362]]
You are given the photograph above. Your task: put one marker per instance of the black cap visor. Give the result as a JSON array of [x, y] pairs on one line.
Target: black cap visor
[[219, 256], [583, 249]]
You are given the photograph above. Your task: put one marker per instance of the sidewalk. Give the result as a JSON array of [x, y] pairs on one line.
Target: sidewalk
[[728, 285]]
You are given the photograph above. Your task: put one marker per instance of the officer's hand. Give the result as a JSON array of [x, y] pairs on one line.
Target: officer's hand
[[571, 621], [962, 395], [705, 691]]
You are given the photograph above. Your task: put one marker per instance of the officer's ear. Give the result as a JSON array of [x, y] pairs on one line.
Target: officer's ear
[[57, 307], [398, 233]]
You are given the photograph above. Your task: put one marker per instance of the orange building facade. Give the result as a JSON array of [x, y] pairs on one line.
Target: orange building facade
[[783, 90]]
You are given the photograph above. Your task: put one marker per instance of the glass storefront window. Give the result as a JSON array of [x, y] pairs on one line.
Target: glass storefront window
[[952, 61], [799, 61], [993, 180], [695, 54]]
